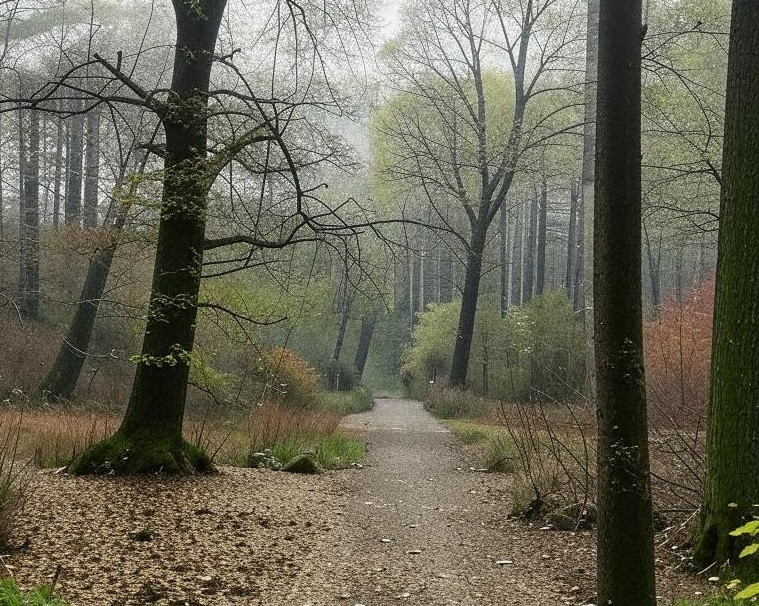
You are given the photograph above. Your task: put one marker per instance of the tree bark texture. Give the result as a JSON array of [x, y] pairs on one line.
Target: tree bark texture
[[625, 520], [732, 455], [151, 432]]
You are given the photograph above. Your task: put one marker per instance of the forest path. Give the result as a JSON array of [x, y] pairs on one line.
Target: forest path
[[417, 525]]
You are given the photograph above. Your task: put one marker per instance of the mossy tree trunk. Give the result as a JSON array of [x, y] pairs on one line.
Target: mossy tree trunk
[[732, 455], [625, 520], [150, 436]]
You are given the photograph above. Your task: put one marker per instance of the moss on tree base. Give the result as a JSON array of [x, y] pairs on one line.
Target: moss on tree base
[[713, 543], [130, 454]]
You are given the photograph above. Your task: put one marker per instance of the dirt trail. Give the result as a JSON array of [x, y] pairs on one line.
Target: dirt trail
[[419, 526]]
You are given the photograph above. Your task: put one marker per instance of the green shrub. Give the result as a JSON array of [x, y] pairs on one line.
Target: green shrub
[[357, 400], [335, 451], [536, 352]]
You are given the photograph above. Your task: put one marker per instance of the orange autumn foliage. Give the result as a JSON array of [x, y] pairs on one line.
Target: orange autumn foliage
[[677, 350]]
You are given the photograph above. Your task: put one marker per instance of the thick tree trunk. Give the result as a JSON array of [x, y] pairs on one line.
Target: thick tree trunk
[[92, 168], [732, 455], [150, 436], [368, 322], [540, 274], [505, 260], [531, 221], [625, 519], [29, 262], [73, 205]]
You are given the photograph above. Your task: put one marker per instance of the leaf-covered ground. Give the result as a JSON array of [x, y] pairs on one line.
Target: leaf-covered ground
[[415, 525]]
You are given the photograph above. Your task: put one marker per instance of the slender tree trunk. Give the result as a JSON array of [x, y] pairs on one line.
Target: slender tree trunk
[[92, 168], [528, 288], [368, 322], [654, 270], [29, 220], [516, 260], [540, 274], [59, 145], [571, 242], [61, 380], [446, 274], [589, 166], [625, 518], [505, 260], [463, 345], [732, 451], [150, 436], [73, 206]]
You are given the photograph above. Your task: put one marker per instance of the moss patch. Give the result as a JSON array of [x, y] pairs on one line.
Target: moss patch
[[140, 453]]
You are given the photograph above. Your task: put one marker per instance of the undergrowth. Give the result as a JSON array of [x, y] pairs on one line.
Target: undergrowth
[[11, 595]]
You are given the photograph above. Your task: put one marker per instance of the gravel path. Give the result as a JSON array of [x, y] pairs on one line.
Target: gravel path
[[419, 526]]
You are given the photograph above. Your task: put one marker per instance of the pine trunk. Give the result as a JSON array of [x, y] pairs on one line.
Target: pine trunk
[[625, 519], [732, 455]]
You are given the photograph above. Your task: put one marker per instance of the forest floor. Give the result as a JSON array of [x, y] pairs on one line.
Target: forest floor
[[416, 524]]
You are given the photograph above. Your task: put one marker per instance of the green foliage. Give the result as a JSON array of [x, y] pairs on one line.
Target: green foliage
[[348, 402], [11, 595], [750, 529], [498, 452], [536, 352], [334, 451]]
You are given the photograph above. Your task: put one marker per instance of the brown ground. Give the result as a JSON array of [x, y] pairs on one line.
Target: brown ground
[[415, 525]]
